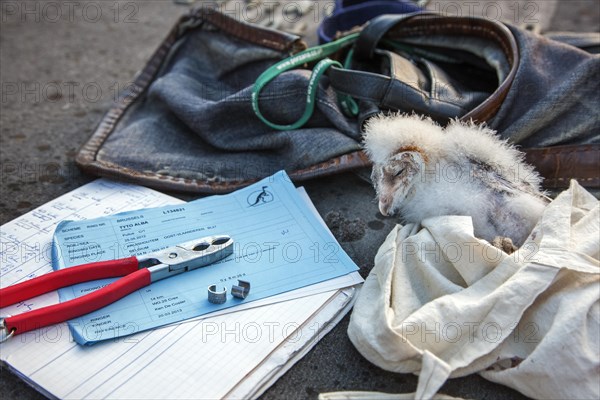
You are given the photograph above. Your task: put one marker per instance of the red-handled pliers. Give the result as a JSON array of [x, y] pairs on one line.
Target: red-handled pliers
[[136, 272]]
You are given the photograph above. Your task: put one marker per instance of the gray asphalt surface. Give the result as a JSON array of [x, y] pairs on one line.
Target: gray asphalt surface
[[61, 66]]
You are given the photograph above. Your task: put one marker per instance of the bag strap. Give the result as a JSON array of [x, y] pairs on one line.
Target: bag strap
[[376, 29], [374, 87], [307, 56]]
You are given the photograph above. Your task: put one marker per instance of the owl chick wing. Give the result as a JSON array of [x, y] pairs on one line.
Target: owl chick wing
[[489, 177]]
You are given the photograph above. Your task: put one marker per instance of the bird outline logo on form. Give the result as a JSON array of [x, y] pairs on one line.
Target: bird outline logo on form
[[260, 197]]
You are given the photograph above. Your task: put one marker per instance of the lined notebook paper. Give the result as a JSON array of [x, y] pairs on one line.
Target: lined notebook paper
[[237, 354]]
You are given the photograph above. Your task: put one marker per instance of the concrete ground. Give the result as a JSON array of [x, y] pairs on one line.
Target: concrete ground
[[61, 65]]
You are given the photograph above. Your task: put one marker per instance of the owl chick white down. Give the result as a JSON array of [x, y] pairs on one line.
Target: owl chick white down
[[422, 170]]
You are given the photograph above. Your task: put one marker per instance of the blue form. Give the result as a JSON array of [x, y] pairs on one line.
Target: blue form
[[279, 246]]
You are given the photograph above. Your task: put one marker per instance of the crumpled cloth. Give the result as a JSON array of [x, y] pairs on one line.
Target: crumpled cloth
[[441, 303]]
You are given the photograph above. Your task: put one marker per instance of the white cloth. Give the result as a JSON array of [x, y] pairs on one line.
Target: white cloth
[[441, 303]]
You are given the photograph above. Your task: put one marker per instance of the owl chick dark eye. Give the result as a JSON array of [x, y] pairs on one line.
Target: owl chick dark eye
[[400, 172]]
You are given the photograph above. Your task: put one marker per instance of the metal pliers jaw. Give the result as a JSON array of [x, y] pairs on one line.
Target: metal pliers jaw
[[186, 256], [4, 333]]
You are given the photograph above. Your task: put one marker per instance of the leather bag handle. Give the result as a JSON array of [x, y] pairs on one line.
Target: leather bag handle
[[375, 30], [380, 89]]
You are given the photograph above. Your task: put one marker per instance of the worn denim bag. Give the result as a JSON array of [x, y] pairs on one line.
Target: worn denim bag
[[187, 123]]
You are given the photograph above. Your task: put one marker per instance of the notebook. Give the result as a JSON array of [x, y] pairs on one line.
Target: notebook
[[232, 355]]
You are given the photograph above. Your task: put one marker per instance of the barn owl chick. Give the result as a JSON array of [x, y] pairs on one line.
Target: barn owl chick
[[422, 170]]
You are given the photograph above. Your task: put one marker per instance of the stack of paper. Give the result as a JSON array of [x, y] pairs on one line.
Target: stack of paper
[[235, 354]]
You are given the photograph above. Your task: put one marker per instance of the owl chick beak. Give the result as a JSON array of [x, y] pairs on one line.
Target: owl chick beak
[[390, 198], [385, 206], [393, 181], [385, 193]]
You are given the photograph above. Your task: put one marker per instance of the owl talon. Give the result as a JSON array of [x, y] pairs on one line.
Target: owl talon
[[505, 244]]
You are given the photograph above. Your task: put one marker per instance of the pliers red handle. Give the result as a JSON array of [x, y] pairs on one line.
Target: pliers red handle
[[136, 272]]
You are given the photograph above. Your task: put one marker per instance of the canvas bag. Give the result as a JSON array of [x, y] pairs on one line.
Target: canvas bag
[[441, 303]]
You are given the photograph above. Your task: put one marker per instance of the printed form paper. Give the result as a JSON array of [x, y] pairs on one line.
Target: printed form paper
[[160, 360], [278, 246]]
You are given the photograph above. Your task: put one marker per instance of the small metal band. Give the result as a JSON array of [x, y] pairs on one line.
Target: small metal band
[[217, 297], [4, 334], [241, 290]]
